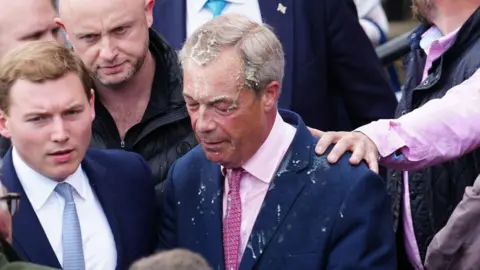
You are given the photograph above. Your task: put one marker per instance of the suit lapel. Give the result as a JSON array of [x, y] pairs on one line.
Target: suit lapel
[[174, 12], [28, 235], [285, 188], [283, 24], [102, 186], [210, 213]]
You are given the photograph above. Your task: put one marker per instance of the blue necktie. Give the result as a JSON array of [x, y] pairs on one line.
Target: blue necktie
[[73, 258], [216, 6]]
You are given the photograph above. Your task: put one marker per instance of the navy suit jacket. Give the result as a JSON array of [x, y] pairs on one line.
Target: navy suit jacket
[[124, 186], [314, 216], [333, 77]]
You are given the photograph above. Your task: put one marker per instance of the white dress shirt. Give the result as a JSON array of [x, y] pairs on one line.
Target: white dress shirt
[[97, 238], [197, 14]]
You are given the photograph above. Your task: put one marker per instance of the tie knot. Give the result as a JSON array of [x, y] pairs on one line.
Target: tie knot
[[234, 178], [216, 6], [65, 190]]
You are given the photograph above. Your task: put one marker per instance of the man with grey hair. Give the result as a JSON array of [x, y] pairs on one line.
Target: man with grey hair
[[243, 199], [333, 79], [177, 259]]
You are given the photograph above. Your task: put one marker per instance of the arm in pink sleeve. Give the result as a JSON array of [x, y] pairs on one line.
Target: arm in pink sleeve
[[440, 130]]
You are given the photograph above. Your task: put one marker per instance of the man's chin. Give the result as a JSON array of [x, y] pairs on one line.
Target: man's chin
[[113, 80], [60, 172], [112, 83], [214, 156]]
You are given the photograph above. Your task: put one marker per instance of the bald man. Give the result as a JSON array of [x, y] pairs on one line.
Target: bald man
[[25, 20], [138, 84]]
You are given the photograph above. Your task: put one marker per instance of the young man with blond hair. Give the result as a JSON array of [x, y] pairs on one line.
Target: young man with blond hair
[[82, 208]]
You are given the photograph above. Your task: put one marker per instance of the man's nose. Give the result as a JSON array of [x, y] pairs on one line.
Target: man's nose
[[59, 132], [204, 122], [107, 50]]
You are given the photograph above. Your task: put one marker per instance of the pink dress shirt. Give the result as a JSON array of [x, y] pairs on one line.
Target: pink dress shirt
[[438, 131], [260, 169]]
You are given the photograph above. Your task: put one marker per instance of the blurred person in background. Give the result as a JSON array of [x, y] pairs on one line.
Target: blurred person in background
[[35, 23], [373, 20], [176, 259], [333, 77], [375, 24], [457, 245], [26, 20]]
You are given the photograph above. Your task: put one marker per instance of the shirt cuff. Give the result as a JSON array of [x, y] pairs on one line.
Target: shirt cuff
[[383, 136]]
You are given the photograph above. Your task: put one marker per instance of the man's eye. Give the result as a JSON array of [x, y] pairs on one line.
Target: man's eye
[[35, 37], [192, 105], [56, 30], [36, 119], [224, 108], [73, 112], [120, 30], [89, 37]]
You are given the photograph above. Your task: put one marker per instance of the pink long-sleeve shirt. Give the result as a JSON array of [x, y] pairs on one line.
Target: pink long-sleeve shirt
[[440, 130]]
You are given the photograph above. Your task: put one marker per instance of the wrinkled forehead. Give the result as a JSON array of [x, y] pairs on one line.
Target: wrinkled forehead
[[222, 76], [95, 13], [26, 16]]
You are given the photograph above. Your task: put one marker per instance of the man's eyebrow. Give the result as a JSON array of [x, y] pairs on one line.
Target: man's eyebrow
[[85, 33], [37, 33], [220, 99], [187, 96], [122, 23], [75, 107]]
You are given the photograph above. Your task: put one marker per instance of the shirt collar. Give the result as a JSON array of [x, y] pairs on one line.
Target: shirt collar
[[435, 34], [199, 4], [39, 188], [263, 164]]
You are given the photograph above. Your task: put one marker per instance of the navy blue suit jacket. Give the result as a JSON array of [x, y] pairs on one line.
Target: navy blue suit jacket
[[333, 77], [124, 186], [314, 216]]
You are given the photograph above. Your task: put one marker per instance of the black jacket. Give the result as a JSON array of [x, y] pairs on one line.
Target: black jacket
[[164, 133], [435, 191]]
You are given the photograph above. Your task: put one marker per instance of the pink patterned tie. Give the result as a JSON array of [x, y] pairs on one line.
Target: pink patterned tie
[[232, 220]]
